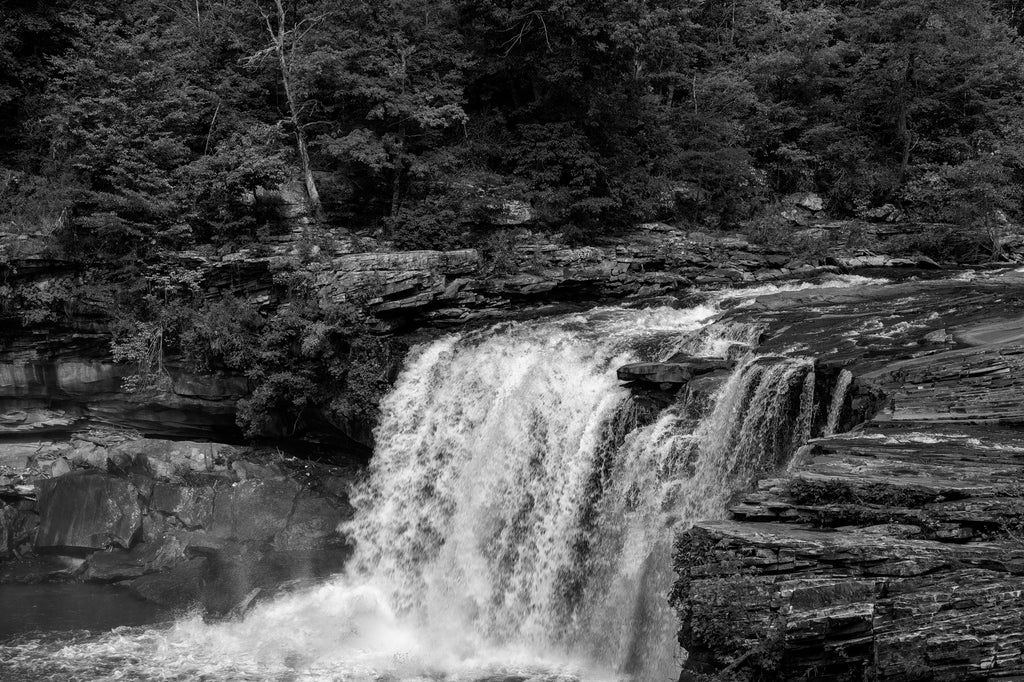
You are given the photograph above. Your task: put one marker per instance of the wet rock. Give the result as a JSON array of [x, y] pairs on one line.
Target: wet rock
[[178, 587], [230, 578], [254, 511], [893, 551], [39, 569], [191, 506], [312, 524], [675, 372], [149, 557], [87, 510], [114, 566]]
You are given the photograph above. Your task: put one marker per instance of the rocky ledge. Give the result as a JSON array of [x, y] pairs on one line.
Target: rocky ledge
[[441, 288], [893, 551], [179, 523], [59, 377]]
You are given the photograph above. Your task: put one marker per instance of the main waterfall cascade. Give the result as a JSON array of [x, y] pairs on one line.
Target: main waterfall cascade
[[517, 516]]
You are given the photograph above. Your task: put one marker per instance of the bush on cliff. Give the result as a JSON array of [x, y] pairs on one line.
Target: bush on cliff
[[308, 364]]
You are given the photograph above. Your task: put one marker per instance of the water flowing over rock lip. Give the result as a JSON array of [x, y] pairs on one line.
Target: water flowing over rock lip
[[889, 549], [797, 384]]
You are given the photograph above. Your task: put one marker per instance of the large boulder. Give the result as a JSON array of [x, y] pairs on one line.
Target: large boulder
[[254, 511], [312, 525], [190, 506], [87, 511], [179, 586], [677, 371], [169, 459], [149, 557]]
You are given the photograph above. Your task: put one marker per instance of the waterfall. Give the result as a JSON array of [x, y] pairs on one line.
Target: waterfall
[[835, 408], [515, 497], [516, 520]]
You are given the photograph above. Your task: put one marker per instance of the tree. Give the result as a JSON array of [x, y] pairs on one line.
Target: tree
[[388, 76], [118, 121], [285, 42], [930, 76]]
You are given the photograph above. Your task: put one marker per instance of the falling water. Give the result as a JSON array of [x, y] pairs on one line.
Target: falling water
[[835, 408], [516, 519]]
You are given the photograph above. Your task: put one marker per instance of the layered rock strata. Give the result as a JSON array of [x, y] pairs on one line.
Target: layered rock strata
[[893, 551], [177, 522]]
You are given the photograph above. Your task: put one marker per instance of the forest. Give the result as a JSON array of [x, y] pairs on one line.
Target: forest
[[136, 130], [146, 123]]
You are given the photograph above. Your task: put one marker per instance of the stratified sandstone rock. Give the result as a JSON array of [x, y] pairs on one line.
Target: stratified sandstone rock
[[87, 510], [892, 552]]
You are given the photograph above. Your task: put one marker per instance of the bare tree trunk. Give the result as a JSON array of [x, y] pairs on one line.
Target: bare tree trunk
[[396, 181], [300, 134], [902, 130]]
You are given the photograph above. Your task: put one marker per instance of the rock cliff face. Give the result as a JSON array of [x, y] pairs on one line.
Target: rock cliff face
[[416, 288], [177, 522], [59, 377], [893, 551]]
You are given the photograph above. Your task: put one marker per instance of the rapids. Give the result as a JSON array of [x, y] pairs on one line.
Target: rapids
[[516, 520]]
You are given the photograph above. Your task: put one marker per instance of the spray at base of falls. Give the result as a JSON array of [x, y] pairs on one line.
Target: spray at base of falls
[[517, 518]]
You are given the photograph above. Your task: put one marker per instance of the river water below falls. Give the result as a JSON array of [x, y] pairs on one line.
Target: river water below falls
[[516, 520]]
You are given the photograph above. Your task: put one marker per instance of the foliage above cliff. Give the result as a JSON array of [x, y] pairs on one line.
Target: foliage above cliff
[[155, 124]]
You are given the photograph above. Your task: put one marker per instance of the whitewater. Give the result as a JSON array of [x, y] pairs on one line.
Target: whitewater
[[516, 520]]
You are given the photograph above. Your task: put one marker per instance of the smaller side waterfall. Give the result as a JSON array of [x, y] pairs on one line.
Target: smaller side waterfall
[[835, 408]]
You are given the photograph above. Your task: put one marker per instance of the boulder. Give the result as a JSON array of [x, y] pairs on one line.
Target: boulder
[[510, 212], [192, 506], [87, 510], [233, 579], [253, 511], [676, 371], [59, 467], [809, 201], [39, 569], [885, 213], [312, 524], [169, 459], [149, 557], [178, 587]]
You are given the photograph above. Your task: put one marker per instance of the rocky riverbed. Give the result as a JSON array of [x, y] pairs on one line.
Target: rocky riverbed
[[891, 551]]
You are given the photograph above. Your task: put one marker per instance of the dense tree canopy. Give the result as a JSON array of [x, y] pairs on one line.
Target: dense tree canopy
[[138, 129], [152, 124]]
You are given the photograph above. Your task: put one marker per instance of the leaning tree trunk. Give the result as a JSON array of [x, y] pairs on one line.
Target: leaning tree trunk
[[396, 179], [902, 127], [300, 135]]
